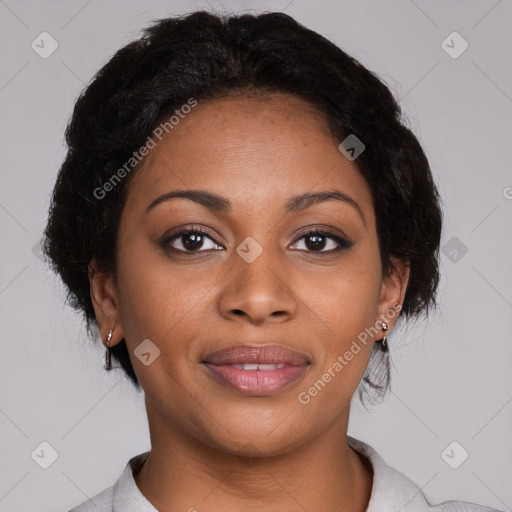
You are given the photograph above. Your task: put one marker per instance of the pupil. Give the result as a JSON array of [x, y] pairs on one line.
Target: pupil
[[319, 242], [196, 241]]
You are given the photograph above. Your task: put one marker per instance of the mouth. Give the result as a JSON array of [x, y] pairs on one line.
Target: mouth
[[257, 370]]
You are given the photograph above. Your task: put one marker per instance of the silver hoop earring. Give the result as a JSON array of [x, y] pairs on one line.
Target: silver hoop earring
[[108, 360], [384, 341]]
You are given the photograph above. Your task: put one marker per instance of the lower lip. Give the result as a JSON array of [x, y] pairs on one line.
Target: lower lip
[[257, 382]]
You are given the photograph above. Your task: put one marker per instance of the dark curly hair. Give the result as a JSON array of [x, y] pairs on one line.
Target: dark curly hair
[[206, 56]]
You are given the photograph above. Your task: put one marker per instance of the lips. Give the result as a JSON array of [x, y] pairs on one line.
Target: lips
[[259, 354], [256, 370]]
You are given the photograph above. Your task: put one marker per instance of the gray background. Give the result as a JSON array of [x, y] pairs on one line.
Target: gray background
[[451, 375]]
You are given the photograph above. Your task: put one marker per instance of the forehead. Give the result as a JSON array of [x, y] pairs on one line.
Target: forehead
[[253, 150]]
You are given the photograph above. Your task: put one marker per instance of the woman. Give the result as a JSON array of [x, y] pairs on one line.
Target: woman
[[244, 217]]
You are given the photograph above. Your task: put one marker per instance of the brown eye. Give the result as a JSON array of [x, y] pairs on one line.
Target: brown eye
[[317, 241], [190, 240]]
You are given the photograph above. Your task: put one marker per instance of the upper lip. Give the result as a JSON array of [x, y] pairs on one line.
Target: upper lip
[[262, 354]]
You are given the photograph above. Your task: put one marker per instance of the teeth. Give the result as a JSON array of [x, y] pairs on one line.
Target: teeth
[[256, 366], [269, 366]]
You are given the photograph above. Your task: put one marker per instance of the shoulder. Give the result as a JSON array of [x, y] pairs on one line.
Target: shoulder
[[102, 502], [393, 491], [122, 496]]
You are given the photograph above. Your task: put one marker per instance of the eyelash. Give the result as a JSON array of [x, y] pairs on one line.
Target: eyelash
[[343, 243]]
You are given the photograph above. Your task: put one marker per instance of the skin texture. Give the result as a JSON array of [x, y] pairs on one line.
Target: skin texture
[[214, 448]]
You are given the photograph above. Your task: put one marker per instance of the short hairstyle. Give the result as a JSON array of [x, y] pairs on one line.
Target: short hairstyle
[[206, 56]]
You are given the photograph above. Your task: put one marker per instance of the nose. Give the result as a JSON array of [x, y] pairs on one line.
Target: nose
[[258, 292]]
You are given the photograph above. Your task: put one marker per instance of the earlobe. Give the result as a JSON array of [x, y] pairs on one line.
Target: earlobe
[[105, 303]]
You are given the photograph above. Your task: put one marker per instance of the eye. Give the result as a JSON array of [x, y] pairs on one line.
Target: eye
[[195, 240], [190, 240], [317, 240]]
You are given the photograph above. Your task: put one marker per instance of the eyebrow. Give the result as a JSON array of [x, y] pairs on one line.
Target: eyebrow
[[296, 203]]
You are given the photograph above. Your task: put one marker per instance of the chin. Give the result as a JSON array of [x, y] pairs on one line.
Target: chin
[[247, 438]]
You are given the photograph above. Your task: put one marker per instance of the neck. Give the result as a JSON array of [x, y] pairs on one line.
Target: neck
[[182, 473]]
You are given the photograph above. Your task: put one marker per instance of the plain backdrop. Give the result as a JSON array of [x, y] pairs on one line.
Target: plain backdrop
[[451, 380]]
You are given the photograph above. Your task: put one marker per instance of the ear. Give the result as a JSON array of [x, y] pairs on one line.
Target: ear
[[392, 293], [105, 302]]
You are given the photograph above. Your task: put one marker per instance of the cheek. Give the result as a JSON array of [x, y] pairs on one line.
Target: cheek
[[157, 301], [157, 304], [156, 308], [344, 298], [346, 313], [342, 307]]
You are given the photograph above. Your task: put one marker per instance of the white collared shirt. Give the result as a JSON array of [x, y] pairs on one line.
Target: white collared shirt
[[391, 491]]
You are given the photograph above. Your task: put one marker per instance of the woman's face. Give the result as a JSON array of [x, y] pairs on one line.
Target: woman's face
[[253, 277]]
